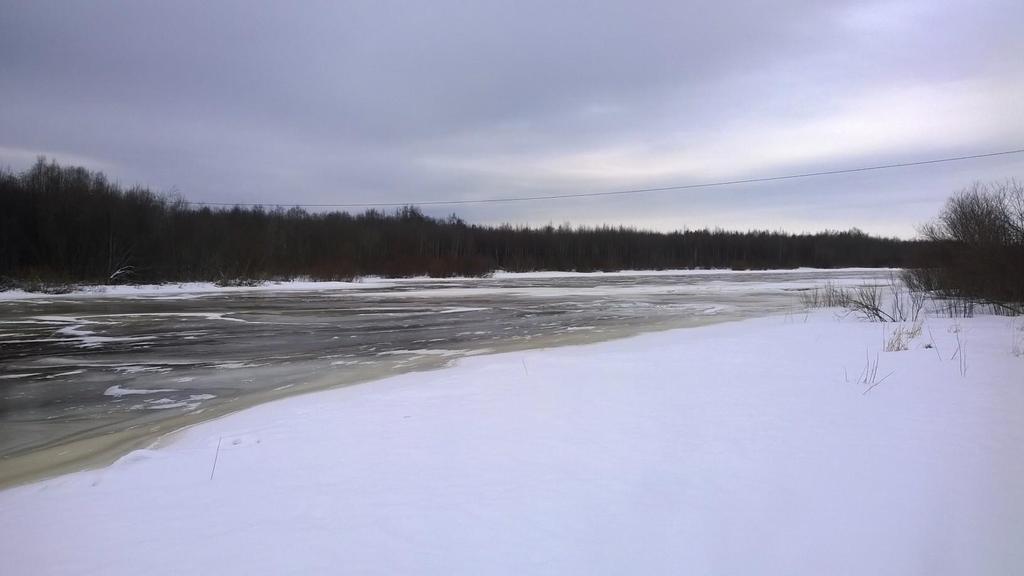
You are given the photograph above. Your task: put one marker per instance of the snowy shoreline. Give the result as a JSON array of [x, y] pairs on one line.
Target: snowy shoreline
[[372, 282], [749, 447]]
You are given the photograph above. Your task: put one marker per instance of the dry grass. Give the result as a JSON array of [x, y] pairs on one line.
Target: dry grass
[[827, 295], [900, 338], [893, 302], [1017, 333], [869, 374]]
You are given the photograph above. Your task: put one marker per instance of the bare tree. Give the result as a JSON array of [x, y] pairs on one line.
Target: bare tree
[[980, 236]]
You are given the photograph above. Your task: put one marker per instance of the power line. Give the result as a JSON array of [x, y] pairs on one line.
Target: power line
[[623, 192]]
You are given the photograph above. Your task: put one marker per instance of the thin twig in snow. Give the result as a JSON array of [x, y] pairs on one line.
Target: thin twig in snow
[[934, 345], [877, 383], [216, 456]]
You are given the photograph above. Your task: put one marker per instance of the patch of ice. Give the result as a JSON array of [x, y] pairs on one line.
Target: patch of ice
[[69, 373], [156, 405], [190, 403], [432, 352], [236, 365], [205, 315], [73, 329], [117, 391], [141, 368]]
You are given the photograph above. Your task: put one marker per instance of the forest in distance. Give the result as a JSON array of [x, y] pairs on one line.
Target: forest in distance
[[63, 224]]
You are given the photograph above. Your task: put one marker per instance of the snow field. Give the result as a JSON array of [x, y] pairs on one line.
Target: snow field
[[748, 447]]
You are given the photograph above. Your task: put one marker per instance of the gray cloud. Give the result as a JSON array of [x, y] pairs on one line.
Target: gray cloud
[[321, 102]]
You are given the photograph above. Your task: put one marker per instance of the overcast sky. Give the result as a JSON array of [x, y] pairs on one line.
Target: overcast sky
[[340, 102]]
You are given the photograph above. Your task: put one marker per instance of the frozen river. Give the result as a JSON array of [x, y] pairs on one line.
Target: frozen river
[[83, 378]]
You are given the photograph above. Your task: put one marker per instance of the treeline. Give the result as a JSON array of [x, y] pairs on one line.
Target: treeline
[[69, 224]]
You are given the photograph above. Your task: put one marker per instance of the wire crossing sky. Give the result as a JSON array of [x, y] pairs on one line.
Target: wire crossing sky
[[512, 111], [635, 191]]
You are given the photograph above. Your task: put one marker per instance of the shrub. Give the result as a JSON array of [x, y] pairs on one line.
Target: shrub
[[977, 252]]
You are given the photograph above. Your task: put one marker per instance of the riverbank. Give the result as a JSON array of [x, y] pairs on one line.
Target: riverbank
[[97, 445], [175, 358], [793, 444]]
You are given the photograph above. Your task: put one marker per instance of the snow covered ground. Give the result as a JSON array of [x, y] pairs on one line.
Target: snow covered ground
[[191, 288], [753, 447], [182, 289]]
